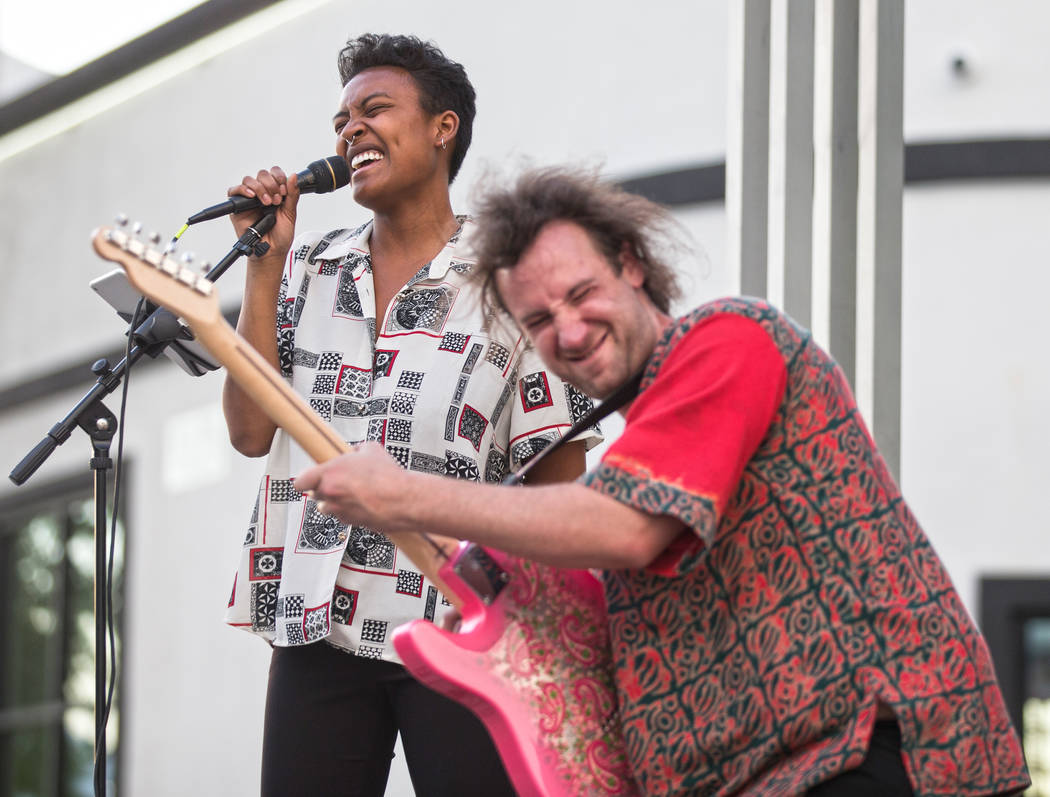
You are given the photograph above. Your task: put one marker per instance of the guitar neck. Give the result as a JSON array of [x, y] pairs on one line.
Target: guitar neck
[[286, 408]]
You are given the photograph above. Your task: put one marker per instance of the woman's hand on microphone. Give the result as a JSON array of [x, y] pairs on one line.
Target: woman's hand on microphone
[[274, 189]]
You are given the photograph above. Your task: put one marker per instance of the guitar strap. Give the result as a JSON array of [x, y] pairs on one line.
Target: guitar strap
[[623, 394], [474, 566]]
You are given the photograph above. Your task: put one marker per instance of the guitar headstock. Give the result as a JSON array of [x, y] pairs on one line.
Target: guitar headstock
[[159, 277]]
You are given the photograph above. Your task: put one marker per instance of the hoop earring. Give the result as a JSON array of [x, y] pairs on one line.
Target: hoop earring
[[443, 144]]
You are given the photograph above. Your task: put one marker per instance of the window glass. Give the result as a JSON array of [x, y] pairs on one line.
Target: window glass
[[1036, 723], [47, 664]]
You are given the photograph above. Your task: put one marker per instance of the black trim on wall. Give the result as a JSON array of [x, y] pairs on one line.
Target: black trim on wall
[[925, 162], [682, 186], [137, 53], [1005, 604], [976, 160], [981, 159], [70, 376]]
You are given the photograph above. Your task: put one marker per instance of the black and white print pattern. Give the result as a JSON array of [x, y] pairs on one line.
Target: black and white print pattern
[[501, 404], [320, 532], [369, 549], [431, 608], [253, 525], [354, 382], [345, 408], [399, 430], [322, 246], [291, 606], [347, 299], [301, 358], [461, 467], [498, 355], [472, 426], [450, 423], [535, 391], [410, 380], [263, 605], [374, 631], [329, 361], [403, 403], [579, 404], [454, 341], [344, 605], [461, 389], [522, 452], [282, 491], [421, 309], [427, 463], [266, 563], [323, 407], [437, 387], [409, 582], [316, 624], [472, 358], [496, 466], [400, 453], [324, 384], [383, 362], [285, 347], [294, 633], [376, 430]]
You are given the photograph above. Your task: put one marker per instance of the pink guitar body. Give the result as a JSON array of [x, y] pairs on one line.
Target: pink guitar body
[[534, 665]]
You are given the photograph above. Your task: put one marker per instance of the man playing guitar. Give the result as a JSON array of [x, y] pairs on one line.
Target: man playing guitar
[[779, 622]]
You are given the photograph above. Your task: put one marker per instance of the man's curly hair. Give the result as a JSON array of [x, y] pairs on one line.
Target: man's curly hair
[[509, 219]]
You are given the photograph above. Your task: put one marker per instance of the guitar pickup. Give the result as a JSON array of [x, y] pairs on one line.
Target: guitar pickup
[[479, 571]]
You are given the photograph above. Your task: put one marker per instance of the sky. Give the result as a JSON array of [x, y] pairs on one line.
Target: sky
[[57, 36]]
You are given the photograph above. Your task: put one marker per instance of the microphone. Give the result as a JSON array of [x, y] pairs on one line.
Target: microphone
[[319, 177]]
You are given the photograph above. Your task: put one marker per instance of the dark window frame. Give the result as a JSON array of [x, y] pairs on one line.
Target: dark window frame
[[1005, 604], [56, 496]]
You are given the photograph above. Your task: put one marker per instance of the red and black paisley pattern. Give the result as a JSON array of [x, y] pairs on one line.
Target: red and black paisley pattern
[[753, 665]]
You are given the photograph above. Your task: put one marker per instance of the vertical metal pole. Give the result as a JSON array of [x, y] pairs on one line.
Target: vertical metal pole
[[101, 425], [835, 181], [100, 620], [879, 198], [747, 148], [791, 157]]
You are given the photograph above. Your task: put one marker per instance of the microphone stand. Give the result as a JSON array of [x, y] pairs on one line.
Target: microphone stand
[[151, 337]]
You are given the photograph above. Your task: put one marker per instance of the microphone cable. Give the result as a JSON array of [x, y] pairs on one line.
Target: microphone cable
[[100, 752]]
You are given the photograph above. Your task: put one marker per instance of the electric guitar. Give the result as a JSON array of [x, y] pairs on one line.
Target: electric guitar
[[531, 656]]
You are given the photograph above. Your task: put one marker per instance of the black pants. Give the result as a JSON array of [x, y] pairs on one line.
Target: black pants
[[332, 718], [881, 773]]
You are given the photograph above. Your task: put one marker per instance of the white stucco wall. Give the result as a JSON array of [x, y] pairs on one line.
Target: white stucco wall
[[636, 89]]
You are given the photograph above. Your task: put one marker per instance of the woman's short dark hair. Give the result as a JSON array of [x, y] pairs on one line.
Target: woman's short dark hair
[[443, 83], [509, 219]]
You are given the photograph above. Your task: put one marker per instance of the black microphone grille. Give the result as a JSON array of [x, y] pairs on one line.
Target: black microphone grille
[[329, 174]]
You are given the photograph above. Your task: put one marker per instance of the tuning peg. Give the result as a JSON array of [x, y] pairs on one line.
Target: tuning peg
[[187, 258], [154, 237], [136, 228], [205, 267], [121, 219]]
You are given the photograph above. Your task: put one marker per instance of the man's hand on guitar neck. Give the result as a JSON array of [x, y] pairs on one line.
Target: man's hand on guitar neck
[[566, 524], [358, 487]]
